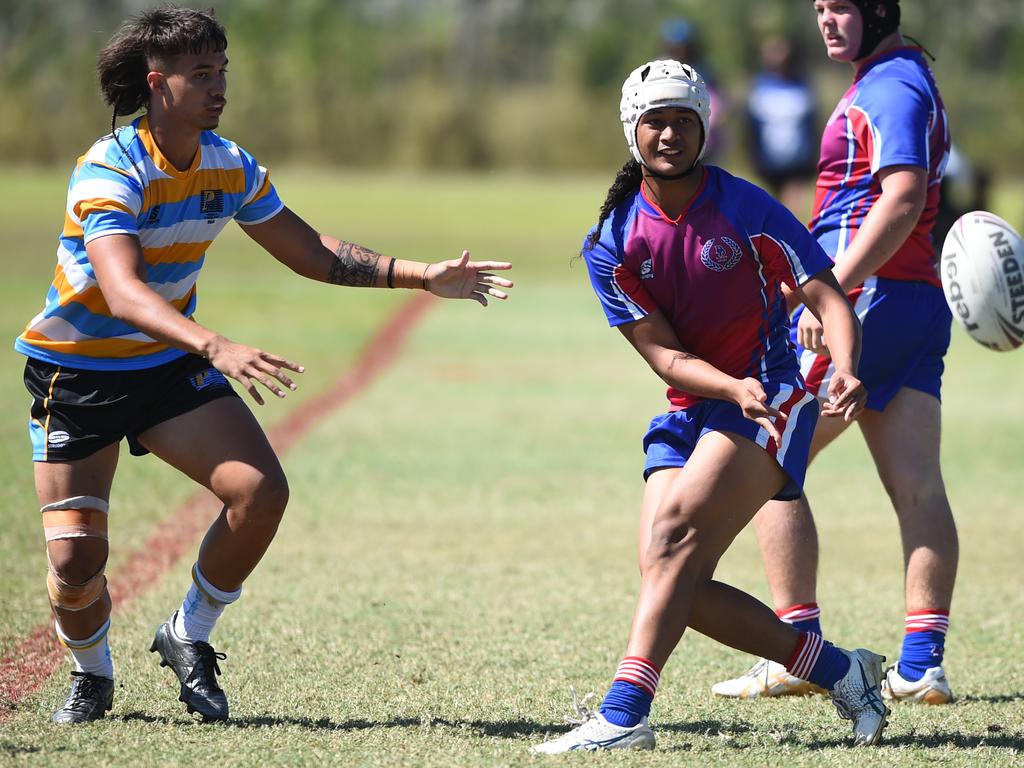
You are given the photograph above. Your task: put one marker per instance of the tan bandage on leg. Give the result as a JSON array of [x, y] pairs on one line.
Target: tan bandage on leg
[[73, 518]]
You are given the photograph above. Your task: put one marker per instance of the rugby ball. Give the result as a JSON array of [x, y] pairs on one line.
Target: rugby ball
[[982, 271]]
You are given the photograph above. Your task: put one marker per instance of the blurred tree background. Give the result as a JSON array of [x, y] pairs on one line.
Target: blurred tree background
[[478, 84]]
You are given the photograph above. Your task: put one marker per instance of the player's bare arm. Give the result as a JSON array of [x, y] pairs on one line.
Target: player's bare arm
[[657, 343], [886, 227], [120, 271], [293, 242]]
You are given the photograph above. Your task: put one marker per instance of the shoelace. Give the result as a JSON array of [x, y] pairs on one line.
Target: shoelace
[[755, 671], [83, 689], [583, 712], [206, 667]]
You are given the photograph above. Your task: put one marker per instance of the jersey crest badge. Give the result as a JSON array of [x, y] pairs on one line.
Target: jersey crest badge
[[211, 202], [720, 256], [647, 269]]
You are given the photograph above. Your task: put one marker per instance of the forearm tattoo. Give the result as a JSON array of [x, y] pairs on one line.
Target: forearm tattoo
[[680, 357], [354, 265]]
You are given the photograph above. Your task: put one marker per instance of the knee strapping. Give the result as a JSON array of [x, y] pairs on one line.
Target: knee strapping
[[76, 517], [76, 597], [72, 518]]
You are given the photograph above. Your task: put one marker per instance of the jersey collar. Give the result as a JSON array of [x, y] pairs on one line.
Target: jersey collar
[[651, 208], [161, 162], [878, 58]]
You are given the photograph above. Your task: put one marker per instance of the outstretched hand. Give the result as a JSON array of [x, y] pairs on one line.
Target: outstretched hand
[[753, 400], [464, 279], [248, 365], [846, 397]]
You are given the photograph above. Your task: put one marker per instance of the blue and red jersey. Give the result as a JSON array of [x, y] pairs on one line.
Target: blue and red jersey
[[716, 273], [891, 114]]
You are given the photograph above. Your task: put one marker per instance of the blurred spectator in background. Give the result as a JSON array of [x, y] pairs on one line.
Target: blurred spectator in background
[[681, 41], [781, 129], [965, 188]]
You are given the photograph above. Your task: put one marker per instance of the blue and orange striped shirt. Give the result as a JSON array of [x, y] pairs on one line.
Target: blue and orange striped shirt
[[127, 187]]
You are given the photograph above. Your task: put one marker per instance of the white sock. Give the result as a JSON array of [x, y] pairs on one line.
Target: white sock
[[92, 654], [202, 606]]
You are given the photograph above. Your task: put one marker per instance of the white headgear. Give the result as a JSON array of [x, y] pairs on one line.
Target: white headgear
[[664, 83]]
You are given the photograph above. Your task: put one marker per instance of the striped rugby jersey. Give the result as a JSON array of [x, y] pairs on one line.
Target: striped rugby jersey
[[715, 273], [892, 114], [175, 214]]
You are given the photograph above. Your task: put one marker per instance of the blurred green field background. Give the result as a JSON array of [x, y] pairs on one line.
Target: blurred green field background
[[460, 544]]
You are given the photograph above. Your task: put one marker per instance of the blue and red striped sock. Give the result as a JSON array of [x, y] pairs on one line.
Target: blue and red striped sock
[[923, 644], [629, 699], [804, 616], [818, 661]]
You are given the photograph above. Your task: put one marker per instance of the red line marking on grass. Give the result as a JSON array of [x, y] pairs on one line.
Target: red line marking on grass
[[39, 655]]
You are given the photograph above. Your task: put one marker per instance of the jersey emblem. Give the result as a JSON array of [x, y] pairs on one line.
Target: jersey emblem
[[154, 215], [720, 257], [211, 202], [647, 269]]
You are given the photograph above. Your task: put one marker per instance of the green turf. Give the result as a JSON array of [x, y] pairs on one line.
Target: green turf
[[460, 544]]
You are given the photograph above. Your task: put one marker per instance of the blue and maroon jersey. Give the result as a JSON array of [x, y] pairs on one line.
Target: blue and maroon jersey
[[891, 114], [716, 274]]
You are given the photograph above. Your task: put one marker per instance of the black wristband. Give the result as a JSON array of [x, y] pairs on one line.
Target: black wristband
[[391, 273]]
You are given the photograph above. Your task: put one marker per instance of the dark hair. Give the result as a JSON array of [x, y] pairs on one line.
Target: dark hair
[[154, 36], [627, 181]]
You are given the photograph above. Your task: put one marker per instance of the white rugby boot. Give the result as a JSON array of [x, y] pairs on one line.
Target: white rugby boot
[[932, 688], [766, 678], [857, 696], [593, 732]]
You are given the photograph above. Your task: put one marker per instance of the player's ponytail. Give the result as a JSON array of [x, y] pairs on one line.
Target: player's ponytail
[[122, 70], [627, 181]]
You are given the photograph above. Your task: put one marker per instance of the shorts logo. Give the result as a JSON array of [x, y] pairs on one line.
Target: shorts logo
[[647, 269], [211, 202], [720, 257], [211, 377], [58, 438]]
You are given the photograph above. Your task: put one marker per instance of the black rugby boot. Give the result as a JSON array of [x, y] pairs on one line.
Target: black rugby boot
[[195, 664], [90, 699]]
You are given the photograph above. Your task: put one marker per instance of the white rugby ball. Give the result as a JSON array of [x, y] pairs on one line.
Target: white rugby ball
[[982, 272]]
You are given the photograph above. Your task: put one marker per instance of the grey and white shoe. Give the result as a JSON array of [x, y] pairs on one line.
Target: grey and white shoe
[[195, 664], [858, 696], [91, 697], [593, 732]]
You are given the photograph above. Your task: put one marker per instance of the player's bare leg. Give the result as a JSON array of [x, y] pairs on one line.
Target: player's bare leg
[[697, 512], [904, 442], [73, 496], [221, 446], [788, 540]]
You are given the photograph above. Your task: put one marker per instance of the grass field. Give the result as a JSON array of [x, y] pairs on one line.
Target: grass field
[[459, 547]]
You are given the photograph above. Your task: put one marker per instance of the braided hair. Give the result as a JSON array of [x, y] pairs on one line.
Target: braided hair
[[152, 38], [627, 181]]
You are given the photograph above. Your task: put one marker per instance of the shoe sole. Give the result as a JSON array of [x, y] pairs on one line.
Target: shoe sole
[[207, 718], [100, 716], [807, 689]]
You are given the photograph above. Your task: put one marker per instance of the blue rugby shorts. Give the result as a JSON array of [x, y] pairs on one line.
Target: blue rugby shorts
[[906, 334], [672, 436]]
